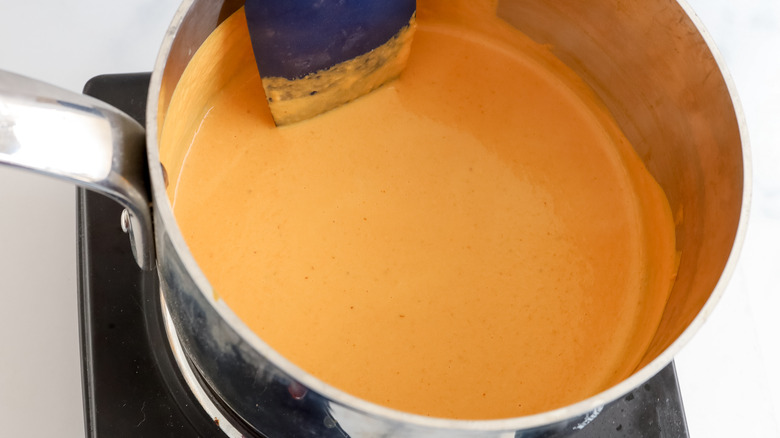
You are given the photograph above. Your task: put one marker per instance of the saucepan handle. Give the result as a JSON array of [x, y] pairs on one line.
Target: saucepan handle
[[80, 139]]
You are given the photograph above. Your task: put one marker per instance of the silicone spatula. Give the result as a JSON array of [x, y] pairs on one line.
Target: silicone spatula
[[314, 55]]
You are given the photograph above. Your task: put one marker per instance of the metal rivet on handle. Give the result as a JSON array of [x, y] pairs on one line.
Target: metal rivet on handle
[[125, 221]]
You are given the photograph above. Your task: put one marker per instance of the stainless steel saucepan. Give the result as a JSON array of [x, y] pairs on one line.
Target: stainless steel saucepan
[[650, 62]]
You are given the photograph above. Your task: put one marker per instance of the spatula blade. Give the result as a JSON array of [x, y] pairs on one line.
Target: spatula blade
[[314, 55]]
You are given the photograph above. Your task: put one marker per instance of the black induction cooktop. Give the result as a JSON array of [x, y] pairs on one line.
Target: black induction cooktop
[[132, 384]]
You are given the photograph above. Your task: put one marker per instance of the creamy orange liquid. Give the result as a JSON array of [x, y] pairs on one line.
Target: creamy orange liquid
[[474, 240]]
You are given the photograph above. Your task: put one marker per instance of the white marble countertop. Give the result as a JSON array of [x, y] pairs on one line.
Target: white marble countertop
[[729, 373]]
